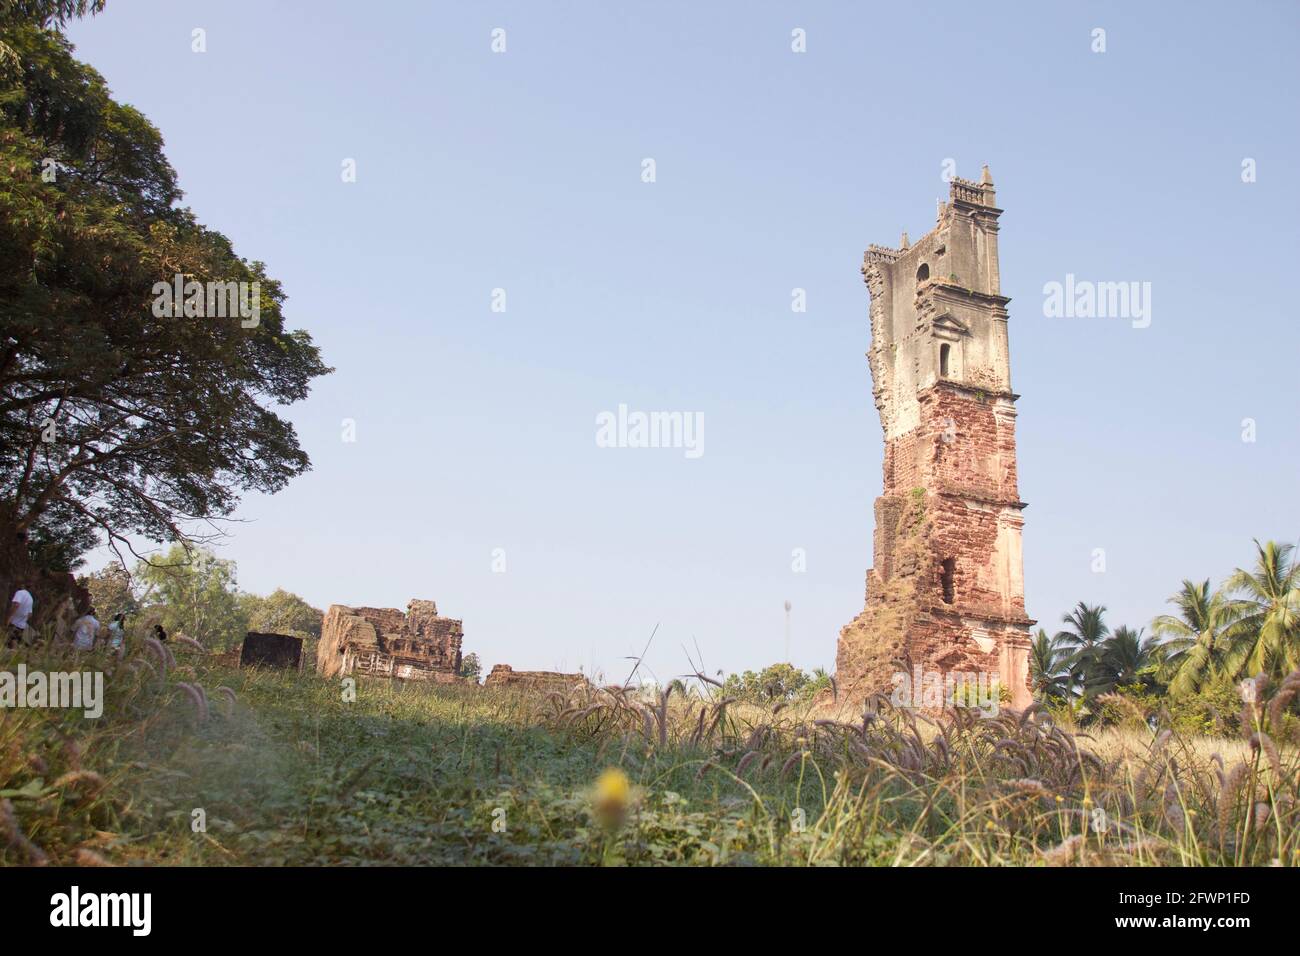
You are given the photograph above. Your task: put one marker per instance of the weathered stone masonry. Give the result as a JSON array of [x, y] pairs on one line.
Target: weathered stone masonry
[[384, 642], [946, 587], [503, 675]]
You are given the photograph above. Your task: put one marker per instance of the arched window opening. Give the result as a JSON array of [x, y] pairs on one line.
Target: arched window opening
[[943, 360], [922, 273], [946, 579]]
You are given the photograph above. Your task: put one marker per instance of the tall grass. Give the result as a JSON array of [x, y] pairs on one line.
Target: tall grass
[[282, 768]]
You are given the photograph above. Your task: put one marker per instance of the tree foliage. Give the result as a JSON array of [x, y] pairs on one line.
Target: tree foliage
[[115, 422], [776, 682], [1126, 659], [1049, 670], [1264, 636], [1194, 659], [1191, 637], [471, 667], [281, 612], [194, 593], [110, 590]]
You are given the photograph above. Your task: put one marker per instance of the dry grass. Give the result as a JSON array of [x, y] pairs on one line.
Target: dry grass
[[287, 771], [972, 789]]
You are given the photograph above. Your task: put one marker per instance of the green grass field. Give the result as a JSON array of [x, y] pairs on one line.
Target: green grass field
[[289, 772]]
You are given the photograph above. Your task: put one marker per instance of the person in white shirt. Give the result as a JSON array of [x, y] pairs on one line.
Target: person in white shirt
[[84, 631], [20, 609], [116, 632]]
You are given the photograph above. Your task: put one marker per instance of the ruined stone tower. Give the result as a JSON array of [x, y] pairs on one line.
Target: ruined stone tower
[[947, 586]]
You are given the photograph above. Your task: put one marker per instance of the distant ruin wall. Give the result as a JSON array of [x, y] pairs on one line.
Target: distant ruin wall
[[384, 642], [503, 675]]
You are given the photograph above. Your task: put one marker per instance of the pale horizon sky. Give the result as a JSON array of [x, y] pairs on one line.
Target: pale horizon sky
[[475, 430]]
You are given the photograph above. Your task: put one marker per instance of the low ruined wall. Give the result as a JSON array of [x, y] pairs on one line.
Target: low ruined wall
[[503, 675]]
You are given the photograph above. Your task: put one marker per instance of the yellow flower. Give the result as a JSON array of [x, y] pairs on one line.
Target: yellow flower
[[613, 790], [613, 786]]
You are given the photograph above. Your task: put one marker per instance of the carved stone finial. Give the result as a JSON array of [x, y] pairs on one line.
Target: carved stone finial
[[986, 178], [904, 242]]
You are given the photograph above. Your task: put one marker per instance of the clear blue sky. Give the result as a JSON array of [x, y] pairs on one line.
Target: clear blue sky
[[476, 429]]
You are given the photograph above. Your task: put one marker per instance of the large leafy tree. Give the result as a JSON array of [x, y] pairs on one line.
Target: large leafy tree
[[281, 612], [111, 592], [45, 13], [194, 593], [776, 682], [116, 423]]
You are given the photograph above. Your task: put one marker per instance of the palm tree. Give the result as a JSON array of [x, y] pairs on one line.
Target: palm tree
[[1193, 645], [1123, 659], [1264, 636], [1084, 636], [1087, 625], [1048, 668]]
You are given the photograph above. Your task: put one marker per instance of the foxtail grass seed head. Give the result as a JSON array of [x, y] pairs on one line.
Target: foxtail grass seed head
[[86, 781], [1065, 852], [11, 833], [156, 648], [1262, 812], [197, 698], [231, 700]]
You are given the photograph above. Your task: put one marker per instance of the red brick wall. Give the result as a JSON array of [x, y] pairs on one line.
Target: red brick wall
[[950, 483]]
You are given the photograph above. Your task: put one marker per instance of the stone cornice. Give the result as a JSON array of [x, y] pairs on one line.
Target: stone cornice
[[967, 494], [973, 390], [985, 614], [940, 285]]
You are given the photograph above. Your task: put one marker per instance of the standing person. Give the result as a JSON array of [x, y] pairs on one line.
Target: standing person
[[117, 632], [20, 609], [84, 631]]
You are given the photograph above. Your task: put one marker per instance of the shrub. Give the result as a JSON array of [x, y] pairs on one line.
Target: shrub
[[777, 682]]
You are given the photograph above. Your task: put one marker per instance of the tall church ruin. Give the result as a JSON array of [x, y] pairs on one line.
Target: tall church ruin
[[947, 586]]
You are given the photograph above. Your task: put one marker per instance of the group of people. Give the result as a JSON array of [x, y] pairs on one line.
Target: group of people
[[86, 630]]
